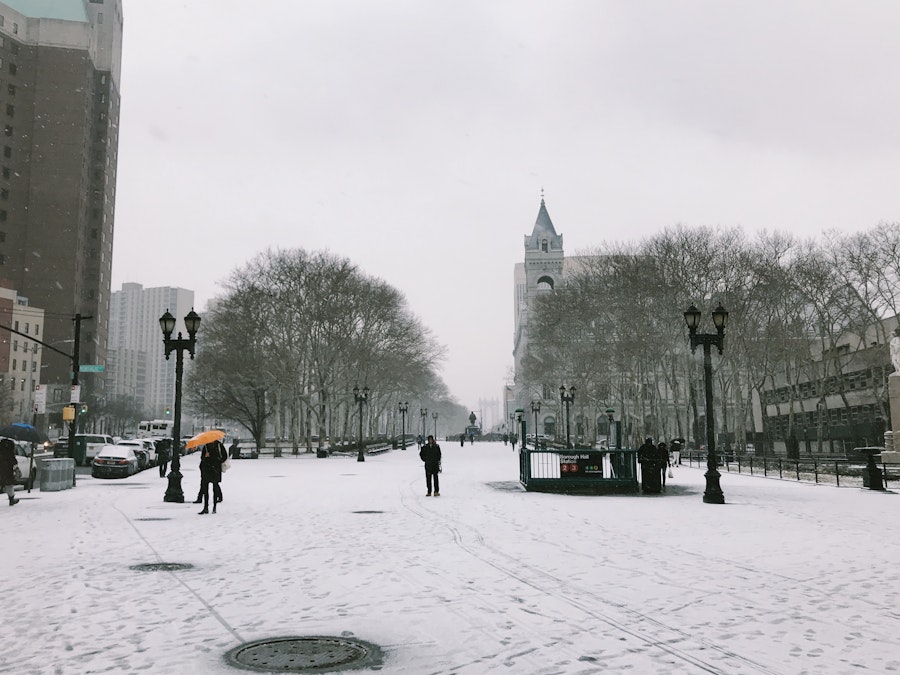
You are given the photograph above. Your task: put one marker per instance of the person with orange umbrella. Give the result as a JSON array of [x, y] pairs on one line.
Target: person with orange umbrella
[[205, 438], [211, 458]]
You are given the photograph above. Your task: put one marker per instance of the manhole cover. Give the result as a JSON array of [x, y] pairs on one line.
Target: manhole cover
[[147, 519], [313, 654], [368, 512], [161, 567]]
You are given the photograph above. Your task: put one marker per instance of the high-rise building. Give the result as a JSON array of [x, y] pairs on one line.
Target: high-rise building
[[137, 366], [59, 111]]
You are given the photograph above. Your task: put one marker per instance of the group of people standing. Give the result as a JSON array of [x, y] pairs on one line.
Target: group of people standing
[[656, 461]]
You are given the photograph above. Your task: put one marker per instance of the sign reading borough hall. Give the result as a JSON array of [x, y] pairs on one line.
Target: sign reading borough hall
[[581, 464]]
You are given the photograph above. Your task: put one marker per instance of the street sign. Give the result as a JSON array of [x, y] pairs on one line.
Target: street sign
[[87, 368], [40, 399], [76, 393]]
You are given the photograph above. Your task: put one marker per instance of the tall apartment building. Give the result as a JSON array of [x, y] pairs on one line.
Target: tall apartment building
[[137, 366], [59, 110]]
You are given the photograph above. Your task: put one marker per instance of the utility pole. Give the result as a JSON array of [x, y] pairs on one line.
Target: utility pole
[[75, 369]]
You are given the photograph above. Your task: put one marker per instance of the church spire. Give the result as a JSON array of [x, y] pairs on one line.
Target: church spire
[[543, 236]]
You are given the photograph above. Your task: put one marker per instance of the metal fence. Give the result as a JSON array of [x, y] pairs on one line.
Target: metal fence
[[838, 472]]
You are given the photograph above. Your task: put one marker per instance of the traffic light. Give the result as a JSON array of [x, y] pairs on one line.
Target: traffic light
[[84, 408], [168, 410]]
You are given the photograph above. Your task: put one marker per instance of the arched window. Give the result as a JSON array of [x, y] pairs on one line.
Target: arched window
[[544, 246]]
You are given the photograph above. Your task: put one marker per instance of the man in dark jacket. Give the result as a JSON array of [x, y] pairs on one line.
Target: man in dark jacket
[[648, 458], [431, 455], [8, 469]]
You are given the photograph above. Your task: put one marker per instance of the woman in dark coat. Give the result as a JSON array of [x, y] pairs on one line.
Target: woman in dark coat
[[211, 459], [8, 469]]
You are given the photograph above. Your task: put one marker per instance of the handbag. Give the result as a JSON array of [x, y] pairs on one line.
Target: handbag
[[226, 465], [671, 473]]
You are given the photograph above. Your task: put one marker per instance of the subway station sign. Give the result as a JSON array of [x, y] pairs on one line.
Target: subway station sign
[[581, 464]]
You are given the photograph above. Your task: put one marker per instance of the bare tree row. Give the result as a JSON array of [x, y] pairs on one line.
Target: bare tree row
[[292, 336], [802, 313]]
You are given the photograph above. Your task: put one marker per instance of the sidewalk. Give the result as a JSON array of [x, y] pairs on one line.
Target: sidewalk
[[784, 578]]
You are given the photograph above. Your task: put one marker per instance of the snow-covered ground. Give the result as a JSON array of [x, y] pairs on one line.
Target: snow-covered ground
[[784, 578]]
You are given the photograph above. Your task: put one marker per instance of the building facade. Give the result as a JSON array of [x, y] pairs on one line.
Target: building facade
[[59, 105], [20, 354], [137, 367]]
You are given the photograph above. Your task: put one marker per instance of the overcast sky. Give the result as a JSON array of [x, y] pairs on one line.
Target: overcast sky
[[414, 137]]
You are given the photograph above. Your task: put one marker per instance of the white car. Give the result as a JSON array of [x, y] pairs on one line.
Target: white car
[[27, 468], [93, 443], [144, 449], [115, 461]]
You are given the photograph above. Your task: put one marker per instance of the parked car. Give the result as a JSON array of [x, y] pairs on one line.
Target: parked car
[[27, 468], [93, 443], [144, 449], [115, 461]]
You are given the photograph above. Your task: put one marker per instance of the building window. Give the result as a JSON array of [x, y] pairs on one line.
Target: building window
[[7, 151], [12, 69], [3, 215], [10, 110], [14, 364], [11, 89], [34, 366], [1, 19], [100, 18], [14, 48], [15, 345], [544, 245], [6, 172], [8, 130], [2, 236], [4, 194], [15, 28]]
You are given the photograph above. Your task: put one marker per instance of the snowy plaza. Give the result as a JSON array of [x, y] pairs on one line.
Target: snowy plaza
[[784, 578]]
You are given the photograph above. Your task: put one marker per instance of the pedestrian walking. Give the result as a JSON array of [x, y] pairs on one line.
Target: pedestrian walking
[[211, 458], [676, 453], [462, 440], [8, 466], [161, 447], [431, 455], [663, 462], [234, 450]]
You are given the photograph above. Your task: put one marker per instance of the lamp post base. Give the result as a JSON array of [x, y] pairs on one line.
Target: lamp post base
[[361, 457], [174, 493], [713, 494]]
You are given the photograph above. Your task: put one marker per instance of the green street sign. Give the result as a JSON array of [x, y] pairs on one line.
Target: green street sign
[[90, 369]]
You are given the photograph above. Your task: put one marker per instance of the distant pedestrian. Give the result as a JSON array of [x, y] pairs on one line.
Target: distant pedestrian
[[513, 439], [211, 458], [462, 440], [505, 439], [663, 462], [647, 457], [431, 455], [676, 453], [8, 466], [234, 450], [161, 447]]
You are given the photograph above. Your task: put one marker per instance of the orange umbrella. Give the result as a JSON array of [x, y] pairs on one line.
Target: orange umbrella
[[205, 437]]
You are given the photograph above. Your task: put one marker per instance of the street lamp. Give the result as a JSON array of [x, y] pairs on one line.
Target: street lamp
[[361, 397], [435, 416], [713, 494], [404, 408], [609, 416], [179, 345], [567, 399], [535, 408], [424, 413]]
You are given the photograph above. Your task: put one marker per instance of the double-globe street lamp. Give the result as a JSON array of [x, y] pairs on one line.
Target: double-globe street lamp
[[404, 408], [179, 345], [713, 494], [535, 408], [567, 399], [434, 415], [361, 397]]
